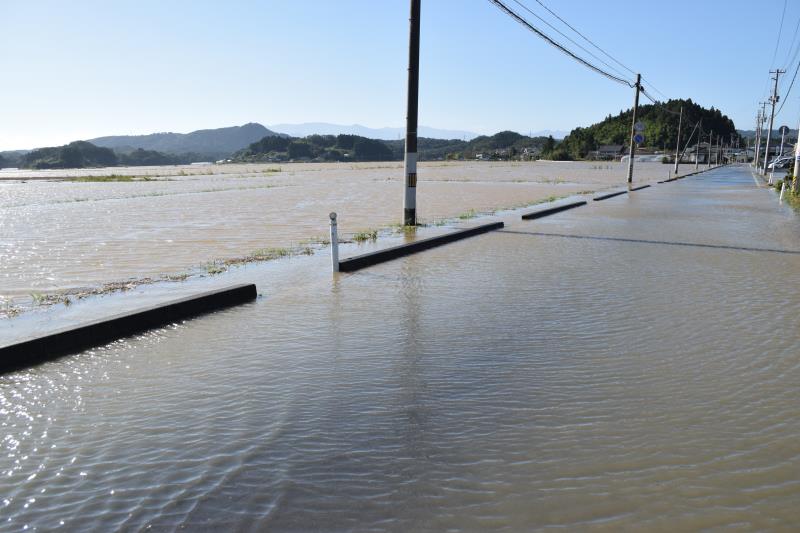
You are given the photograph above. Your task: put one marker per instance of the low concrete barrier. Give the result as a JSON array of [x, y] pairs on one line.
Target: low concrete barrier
[[639, 188], [381, 256], [551, 210], [35, 350], [609, 195]]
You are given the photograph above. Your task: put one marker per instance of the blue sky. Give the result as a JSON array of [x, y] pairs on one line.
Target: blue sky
[[85, 68]]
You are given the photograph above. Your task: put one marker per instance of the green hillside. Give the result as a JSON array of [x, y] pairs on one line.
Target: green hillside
[[78, 154], [661, 128], [504, 145]]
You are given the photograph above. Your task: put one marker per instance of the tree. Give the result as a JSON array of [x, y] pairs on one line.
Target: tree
[[346, 142], [549, 145], [371, 150], [298, 150]]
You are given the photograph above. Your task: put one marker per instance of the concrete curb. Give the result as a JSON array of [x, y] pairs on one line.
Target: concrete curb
[[691, 174], [395, 252], [639, 188], [609, 195], [551, 210], [36, 350]]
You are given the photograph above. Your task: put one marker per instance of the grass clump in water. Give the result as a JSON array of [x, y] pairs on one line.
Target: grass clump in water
[[468, 214], [9, 310], [214, 268], [266, 254], [110, 178], [363, 236]]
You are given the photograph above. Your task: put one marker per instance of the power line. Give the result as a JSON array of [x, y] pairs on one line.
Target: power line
[[657, 103], [786, 63], [654, 88], [780, 31], [529, 10], [786, 96], [567, 24], [557, 45], [592, 43]]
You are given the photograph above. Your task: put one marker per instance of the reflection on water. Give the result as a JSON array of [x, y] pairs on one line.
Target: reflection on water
[[512, 381], [57, 235]]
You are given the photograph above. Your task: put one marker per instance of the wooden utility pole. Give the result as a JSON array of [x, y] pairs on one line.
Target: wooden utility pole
[[708, 156], [410, 199], [632, 150], [678, 144], [773, 100]]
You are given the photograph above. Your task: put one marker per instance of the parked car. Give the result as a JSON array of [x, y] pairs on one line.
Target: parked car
[[780, 162]]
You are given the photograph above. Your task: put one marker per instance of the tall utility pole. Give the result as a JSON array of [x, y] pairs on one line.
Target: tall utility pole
[[410, 199], [747, 149], [757, 140], [773, 101], [719, 145], [783, 138], [697, 148], [678, 147], [762, 114], [710, 140], [632, 150]]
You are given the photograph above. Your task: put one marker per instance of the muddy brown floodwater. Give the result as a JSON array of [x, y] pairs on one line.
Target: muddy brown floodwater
[[632, 364], [61, 235]]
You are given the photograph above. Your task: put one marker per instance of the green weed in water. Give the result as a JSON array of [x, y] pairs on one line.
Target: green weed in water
[[363, 236], [110, 178], [214, 268], [265, 254]]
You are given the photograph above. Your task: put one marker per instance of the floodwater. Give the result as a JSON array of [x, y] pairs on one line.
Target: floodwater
[[59, 235], [629, 364]]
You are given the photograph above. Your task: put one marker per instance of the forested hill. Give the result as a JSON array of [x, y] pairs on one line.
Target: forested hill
[[506, 144], [661, 128], [212, 144]]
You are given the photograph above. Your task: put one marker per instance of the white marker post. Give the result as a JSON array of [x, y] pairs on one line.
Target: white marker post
[[334, 243], [796, 180]]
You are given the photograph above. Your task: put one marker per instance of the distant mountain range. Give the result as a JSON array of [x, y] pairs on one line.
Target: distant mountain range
[[775, 133], [213, 143], [386, 134], [222, 143]]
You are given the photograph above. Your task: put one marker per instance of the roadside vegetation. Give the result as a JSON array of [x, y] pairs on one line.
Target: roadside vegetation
[[791, 197]]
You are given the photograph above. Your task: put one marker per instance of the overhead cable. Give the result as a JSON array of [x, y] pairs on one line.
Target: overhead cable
[[507, 10], [529, 10], [789, 90], [780, 31], [657, 103], [568, 25]]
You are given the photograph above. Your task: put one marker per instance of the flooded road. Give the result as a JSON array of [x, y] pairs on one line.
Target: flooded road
[[58, 235], [631, 363]]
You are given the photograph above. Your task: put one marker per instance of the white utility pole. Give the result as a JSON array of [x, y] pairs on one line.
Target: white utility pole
[[678, 144]]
